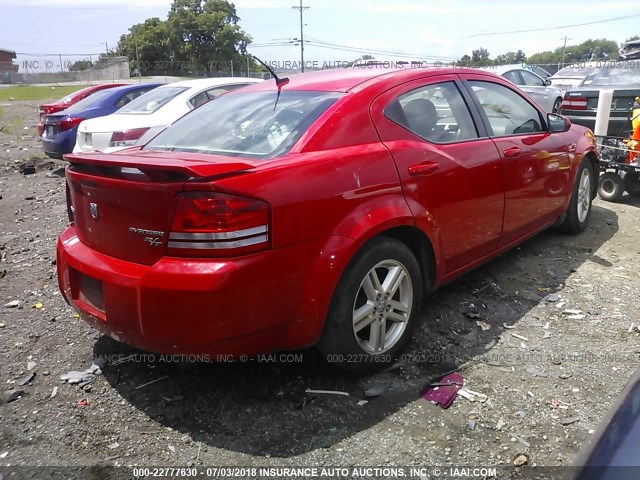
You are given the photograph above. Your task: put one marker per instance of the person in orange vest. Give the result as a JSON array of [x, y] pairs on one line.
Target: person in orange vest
[[633, 144]]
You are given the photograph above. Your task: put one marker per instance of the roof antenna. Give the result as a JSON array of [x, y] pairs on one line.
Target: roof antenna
[[280, 82]]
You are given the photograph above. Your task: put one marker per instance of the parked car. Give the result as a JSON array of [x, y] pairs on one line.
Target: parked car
[[538, 88], [580, 104], [317, 210], [60, 128], [541, 72], [612, 452], [572, 75], [69, 100], [141, 120]]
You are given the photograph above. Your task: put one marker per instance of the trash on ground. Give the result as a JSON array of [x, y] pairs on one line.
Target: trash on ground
[[26, 379], [326, 392], [569, 421], [376, 391], [151, 382], [472, 315], [472, 396], [444, 392], [54, 392], [83, 403], [75, 377], [483, 325], [520, 461], [472, 424], [362, 402], [537, 373], [520, 337], [31, 365], [12, 304], [12, 395]]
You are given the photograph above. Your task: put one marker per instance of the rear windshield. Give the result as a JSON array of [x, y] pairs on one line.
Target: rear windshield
[[623, 75], [152, 101], [248, 124], [89, 101]]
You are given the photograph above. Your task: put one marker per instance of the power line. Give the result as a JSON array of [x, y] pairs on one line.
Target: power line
[[555, 28]]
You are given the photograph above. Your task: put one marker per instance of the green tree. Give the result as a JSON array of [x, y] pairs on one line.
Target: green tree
[[80, 65], [206, 33], [198, 35], [480, 58], [149, 42], [465, 61]]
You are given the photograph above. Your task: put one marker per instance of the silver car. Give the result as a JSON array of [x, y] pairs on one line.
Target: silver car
[[538, 88]]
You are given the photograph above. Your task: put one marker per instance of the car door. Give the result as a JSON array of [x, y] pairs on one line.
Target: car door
[[536, 162], [451, 172]]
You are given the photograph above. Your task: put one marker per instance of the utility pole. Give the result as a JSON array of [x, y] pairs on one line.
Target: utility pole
[[300, 8], [138, 62], [564, 49]]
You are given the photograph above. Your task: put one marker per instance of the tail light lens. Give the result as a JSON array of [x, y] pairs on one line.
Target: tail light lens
[[70, 209], [574, 103], [127, 138], [68, 123], [210, 224]]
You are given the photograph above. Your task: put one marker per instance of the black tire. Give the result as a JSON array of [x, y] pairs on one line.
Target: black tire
[[557, 105], [340, 344], [574, 220], [632, 184], [610, 187]]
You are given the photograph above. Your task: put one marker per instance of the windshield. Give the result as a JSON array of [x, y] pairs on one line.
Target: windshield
[[89, 101], [625, 75], [152, 101], [246, 124]]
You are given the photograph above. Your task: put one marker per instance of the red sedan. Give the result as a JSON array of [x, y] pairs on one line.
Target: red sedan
[[66, 102], [317, 212]]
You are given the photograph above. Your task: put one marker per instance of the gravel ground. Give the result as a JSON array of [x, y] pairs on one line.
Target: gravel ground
[[543, 331]]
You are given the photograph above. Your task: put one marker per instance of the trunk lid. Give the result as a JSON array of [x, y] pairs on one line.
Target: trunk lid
[[123, 203]]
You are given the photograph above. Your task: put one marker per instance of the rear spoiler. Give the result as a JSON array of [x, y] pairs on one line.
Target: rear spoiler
[[189, 164]]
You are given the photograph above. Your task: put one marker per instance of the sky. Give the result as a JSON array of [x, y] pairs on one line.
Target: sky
[[422, 29]]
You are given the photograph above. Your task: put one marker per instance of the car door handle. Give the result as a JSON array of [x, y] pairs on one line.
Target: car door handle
[[512, 152], [424, 168]]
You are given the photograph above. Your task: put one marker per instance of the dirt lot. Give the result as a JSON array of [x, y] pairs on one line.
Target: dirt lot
[[548, 388]]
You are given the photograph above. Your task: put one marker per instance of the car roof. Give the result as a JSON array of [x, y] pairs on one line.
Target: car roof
[[347, 79], [212, 82], [134, 86]]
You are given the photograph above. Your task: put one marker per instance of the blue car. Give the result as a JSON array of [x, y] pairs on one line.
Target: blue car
[[60, 128]]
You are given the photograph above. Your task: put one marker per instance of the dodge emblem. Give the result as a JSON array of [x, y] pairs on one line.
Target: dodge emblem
[[93, 209]]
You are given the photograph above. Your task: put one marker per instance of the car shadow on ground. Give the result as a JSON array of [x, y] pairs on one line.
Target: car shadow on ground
[[261, 408]]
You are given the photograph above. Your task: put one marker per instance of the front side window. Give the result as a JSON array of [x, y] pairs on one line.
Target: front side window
[[437, 113], [513, 77], [531, 79], [252, 124], [508, 113]]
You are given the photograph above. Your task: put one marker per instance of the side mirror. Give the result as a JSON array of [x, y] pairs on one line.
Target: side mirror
[[558, 123], [547, 82]]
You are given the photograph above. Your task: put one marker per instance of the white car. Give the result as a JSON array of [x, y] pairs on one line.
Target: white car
[[146, 116], [538, 88]]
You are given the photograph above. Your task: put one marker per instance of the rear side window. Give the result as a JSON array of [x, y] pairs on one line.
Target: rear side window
[[130, 96], [204, 97], [253, 124], [437, 113], [508, 113], [152, 101], [87, 102]]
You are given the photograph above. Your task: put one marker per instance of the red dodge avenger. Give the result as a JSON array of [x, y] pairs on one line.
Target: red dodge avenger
[[316, 211]]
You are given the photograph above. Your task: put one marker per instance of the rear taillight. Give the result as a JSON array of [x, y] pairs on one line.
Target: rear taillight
[[574, 103], [127, 138], [68, 123], [207, 224], [70, 209]]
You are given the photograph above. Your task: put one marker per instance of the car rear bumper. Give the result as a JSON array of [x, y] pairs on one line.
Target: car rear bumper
[[63, 143], [617, 125], [246, 305]]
